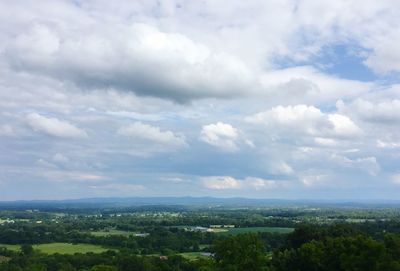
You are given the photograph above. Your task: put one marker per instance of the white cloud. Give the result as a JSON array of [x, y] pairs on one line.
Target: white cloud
[[126, 57], [174, 180], [300, 118], [396, 178], [221, 135], [259, 183], [220, 182], [54, 126], [121, 188], [308, 84], [385, 57], [135, 115], [368, 164], [60, 158], [140, 130], [6, 130], [280, 167], [378, 112], [228, 182], [326, 142], [312, 180], [372, 29], [343, 126], [44, 163], [389, 145], [306, 120], [180, 70], [76, 176]]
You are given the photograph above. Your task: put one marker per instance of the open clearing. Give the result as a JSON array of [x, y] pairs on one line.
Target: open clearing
[[4, 259], [111, 232], [61, 248], [191, 256], [235, 231], [11, 247], [67, 248]]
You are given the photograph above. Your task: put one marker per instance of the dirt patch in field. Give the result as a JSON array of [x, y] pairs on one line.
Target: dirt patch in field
[[4, 259]]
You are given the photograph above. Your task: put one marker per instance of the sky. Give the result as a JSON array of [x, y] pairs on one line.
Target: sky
[[290, 99]]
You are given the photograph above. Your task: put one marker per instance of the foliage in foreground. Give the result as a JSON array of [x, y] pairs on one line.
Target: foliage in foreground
[[341, 249]]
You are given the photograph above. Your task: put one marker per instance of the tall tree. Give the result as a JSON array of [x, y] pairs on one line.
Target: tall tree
[[242, 252]]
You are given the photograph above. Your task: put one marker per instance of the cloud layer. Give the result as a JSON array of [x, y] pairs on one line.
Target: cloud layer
[[292, 98], [54, 126]]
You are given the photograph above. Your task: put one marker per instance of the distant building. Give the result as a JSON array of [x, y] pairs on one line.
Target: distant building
[[221, 226], [145, 234], [10, 221], [207, 254], [200, 229]]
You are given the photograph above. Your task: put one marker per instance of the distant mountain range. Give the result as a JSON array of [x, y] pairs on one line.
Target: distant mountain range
[[191, 201]]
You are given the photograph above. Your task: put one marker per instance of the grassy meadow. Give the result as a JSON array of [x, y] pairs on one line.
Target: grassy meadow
[[111, 232], [235, 231], [61, 248]]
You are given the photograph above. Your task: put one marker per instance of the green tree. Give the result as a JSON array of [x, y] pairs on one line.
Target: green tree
[[242, 252], [103, 267], [27, 250]]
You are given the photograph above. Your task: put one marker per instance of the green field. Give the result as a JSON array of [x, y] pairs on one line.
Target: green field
[[11, 247], [191, 256], [66, 248], [61, 248], [111, 232], [203, 246], [4, 259], [235, 231]]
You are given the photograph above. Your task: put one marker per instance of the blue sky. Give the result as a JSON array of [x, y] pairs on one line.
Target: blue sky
[[294, 99]]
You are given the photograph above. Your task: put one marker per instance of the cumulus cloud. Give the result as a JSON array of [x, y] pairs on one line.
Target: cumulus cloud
[[75, 176], [147, 77], [386, 144], [221, 135], [140, 130], [376, 112], [135, 115], [385, 57], [119, 188], [54, 126], [60, 158], [313, 180], [306, 120], [127, 58], [281, 168], [127, 55], [308, 84], [6, 130], [326, 142], [368, 164], [220, 182], [396, 179], [259, 183], [228, 182]]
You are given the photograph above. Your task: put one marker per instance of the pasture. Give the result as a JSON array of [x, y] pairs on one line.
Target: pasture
[[11, 247], [111, 232], [61, 248], [235, 231], [191, 256]]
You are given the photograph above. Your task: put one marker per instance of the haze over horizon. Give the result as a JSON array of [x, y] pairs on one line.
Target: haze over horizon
[[280, 99]]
